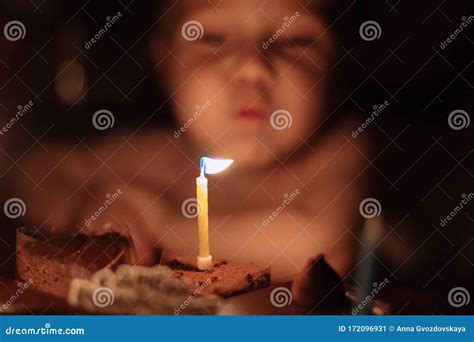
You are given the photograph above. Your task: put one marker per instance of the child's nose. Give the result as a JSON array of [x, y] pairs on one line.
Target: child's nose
[[254, 71]]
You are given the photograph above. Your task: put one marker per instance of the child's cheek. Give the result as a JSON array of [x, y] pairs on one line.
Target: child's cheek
[[302, 90], [306, 74]]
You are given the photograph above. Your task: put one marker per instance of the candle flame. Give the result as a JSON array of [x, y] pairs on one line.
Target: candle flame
[[211, 166]]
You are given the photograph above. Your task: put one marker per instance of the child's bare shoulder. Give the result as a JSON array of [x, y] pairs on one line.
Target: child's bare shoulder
[[335, 153], [331, 172]]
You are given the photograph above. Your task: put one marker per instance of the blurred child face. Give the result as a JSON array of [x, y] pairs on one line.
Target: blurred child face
[[257, 73]]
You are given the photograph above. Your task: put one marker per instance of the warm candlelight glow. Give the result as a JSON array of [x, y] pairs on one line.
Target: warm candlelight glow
[[211, 166]]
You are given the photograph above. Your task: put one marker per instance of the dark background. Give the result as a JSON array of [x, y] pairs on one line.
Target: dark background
[[420, 166]]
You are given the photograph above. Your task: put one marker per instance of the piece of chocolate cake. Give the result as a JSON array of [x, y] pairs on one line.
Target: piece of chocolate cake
[[226, 278], [52, 263]]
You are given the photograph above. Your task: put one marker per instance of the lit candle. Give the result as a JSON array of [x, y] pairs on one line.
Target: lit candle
[[203, 218], [208, 166]]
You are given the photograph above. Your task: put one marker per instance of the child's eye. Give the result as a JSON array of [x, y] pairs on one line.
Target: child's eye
[[213, 39], [296, 42]]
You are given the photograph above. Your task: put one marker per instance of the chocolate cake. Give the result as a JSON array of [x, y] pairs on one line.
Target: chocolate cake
[[226, 278], [52, 263]]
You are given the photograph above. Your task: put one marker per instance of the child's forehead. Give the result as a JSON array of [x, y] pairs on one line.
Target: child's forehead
[[254, 15], [251, 7]]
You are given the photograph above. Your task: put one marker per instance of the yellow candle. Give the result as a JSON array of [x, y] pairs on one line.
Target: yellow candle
[[208, 166], [203, 219]]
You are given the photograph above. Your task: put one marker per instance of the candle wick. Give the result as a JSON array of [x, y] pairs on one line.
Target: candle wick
[[201, 164]]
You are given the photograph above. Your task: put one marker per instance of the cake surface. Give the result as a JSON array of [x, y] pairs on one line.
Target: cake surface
[[52, 263], [226, 279]]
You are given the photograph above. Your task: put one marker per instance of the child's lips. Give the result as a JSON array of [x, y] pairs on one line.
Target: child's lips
[[251, 114]]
